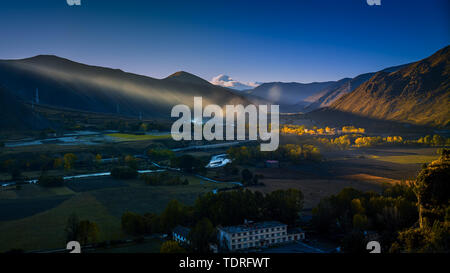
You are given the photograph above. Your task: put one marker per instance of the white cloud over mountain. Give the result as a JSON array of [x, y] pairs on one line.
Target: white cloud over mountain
[[227, 81]]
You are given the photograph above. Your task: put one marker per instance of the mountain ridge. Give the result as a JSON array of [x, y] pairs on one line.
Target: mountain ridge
[[68, 84], [287, 92], [417, 93]]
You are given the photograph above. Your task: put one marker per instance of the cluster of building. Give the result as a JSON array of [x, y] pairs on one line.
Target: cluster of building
[[248, 235]]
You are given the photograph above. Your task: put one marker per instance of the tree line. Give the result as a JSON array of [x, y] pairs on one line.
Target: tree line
[[408, 217], [211, 210], [293, 153]]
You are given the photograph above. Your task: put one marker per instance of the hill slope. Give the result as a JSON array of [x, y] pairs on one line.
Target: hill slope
[[342, 87], [64, 83], [287, 93], [306, 97], [15, 115], [418, 93]]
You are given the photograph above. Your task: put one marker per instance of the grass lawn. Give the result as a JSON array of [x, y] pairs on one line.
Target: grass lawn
[[18, 208], [141, 198], [131, 137], [406, 159], [44, 211], [314, 189], [45, 230], [371, 178]]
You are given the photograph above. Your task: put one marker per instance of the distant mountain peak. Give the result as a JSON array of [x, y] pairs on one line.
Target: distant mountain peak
[[46, 58], [227, 81], [183, 76], [70, 85]]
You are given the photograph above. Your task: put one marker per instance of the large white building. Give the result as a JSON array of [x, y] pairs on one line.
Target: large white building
[[260, 234]]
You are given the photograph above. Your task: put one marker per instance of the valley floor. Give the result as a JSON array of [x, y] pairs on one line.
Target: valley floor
[[368, 169], [34, 217]]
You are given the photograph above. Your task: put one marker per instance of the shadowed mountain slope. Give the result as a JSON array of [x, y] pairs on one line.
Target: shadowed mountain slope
[[15, 115], [67, 84], [287, 93]]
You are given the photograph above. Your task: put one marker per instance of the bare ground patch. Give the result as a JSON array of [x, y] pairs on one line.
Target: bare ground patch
[[363, 177], [315, 189]]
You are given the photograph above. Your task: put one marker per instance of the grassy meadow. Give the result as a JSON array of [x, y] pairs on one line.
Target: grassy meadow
[[35, 218]]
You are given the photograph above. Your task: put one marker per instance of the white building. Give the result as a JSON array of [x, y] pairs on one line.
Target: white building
[[254, 235], [218, 161]]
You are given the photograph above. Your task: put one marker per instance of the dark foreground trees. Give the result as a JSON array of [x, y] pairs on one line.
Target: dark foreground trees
[[413, 217], [188, 163], [223, 208], [432, 189], [232, 208], [201, 235], [84, 231], [352, 213], [171, 247], [136, 224]]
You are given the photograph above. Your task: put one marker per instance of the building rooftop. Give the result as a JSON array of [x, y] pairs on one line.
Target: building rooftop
[[252, 226]]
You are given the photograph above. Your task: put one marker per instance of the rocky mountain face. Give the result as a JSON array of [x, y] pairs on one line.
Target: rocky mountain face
[[418, 93]]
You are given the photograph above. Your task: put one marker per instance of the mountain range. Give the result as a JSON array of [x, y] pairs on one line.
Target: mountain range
[[63, 83], [288, 93], [305, 97], [416, 93]]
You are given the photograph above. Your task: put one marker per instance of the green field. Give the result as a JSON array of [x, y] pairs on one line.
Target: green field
[[105, 206], [45, 230], [406, 159]]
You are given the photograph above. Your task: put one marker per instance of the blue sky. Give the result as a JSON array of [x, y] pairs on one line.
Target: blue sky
[[251, 41]]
